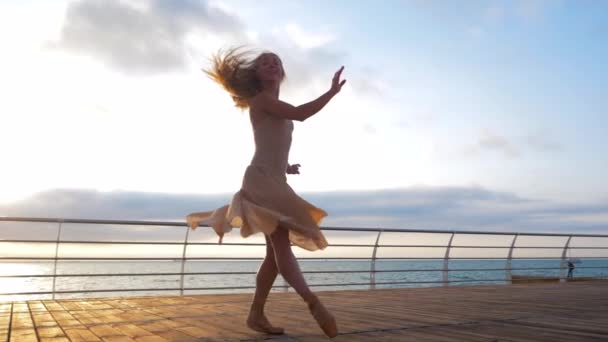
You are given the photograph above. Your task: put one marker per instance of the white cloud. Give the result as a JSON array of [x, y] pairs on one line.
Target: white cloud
[[533, 9], [445, 208], [308, 40], [90, 126], [489, 141], [142, 37], [542, 143], [498, 11], [495, 12], [476, 31]]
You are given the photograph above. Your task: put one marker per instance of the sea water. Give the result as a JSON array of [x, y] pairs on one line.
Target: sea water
[[352, 274]]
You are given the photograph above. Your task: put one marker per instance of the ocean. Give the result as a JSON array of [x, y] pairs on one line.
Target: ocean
[[421, 273]]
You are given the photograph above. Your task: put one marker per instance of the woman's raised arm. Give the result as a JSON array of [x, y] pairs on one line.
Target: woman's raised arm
[[275, 107]]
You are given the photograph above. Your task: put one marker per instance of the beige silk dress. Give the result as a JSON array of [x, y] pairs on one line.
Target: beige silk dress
[[265, 200]]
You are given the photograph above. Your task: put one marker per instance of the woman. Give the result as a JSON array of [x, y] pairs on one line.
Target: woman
[[266, 203]]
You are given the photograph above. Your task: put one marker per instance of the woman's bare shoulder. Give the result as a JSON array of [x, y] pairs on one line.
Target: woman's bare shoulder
[[256, 113], [258, 100]]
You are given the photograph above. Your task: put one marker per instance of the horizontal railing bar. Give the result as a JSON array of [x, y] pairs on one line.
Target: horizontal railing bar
[[306, 258], [399, 282], [94, 221], [166, 243], [263, 244], [131, 290], [170, 259], [519, 268], [67, 275], [252, 287], [87, 291], [112, 242], [485, 247], [466, 258], [405, 282], [367, 283], [387, 230]]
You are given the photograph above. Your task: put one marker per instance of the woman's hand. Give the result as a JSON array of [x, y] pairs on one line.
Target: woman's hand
[[293, 169], [336, 84]]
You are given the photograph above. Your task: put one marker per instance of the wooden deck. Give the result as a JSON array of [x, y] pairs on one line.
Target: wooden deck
[[534, 312]]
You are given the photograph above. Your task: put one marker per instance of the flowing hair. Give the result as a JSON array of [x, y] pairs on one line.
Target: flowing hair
[[235, 71]]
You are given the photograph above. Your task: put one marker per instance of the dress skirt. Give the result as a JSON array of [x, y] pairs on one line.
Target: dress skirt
[[264, 203]]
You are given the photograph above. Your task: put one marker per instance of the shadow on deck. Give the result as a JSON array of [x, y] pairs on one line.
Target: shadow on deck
[[528, 312]]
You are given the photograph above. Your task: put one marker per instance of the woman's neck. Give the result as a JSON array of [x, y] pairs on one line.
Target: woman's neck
[[271, 87]]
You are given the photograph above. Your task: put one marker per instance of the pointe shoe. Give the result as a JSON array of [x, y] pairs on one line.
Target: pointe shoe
[[324, 318], [263, 326]]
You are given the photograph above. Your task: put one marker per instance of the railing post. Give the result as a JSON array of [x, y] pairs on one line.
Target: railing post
[[510, 258], [56, 256], [181, 279], [562, 276], [372, 269], [285, 283], [446, 262]]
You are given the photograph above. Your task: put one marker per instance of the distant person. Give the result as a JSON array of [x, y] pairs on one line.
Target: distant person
[[266, 203], [570, 269]]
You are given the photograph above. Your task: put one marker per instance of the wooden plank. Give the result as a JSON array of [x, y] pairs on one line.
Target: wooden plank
[[174, 335], [54, 339], [81, 335], [50, 332], [5, 319], [118, 339], [534, 312], [22, 336], [132, 330], [150, 339], [22, 327], [105, 330]]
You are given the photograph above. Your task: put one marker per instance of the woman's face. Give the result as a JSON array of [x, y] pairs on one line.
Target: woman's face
[[269, 67]]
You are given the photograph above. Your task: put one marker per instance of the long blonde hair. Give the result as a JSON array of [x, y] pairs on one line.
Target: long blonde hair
[[235, 71]]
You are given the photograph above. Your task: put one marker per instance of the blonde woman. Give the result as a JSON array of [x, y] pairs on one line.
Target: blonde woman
[[266, 203]]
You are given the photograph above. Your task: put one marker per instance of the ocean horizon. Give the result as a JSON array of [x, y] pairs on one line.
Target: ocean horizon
[[420, 273]]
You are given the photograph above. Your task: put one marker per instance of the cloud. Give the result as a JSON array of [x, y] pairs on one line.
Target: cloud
[[489, 141], [451, 208], [157, 36], [542, 143], [309, 67], [306, 39], [529, 10], [117, 204], [533, 9], [141, 36], [495, 142], [369, 129], [497, 13], [148, 37], [372, 82]]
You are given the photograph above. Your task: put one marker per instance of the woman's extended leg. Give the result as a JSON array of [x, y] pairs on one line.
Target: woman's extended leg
[[263, 284], [290, 270], [265, 278], [288, 264]]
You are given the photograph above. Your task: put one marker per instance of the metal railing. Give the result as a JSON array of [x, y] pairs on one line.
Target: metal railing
[[564, 247]]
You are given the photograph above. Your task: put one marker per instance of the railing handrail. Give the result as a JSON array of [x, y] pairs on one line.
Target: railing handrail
[[153, 242], [351, 229], [449, 246]]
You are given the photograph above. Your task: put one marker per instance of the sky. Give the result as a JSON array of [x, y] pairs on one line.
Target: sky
[[480, 115]]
